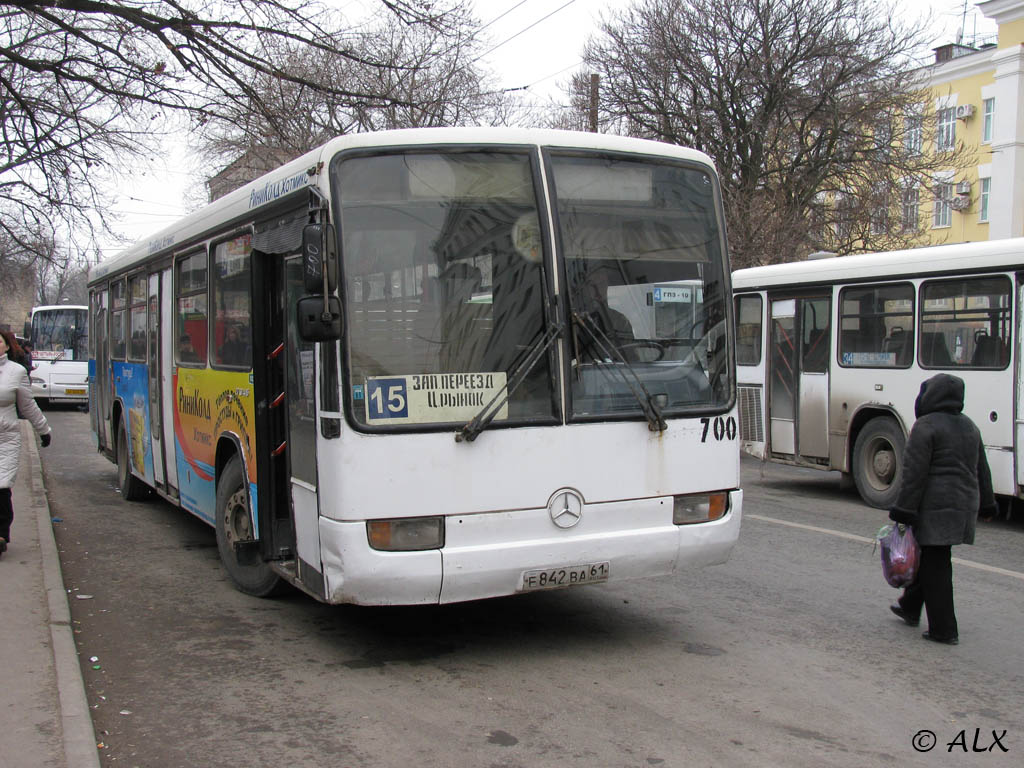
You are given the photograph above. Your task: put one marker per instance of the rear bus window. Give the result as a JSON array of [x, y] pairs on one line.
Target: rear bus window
[[965, 323], [876, 326]]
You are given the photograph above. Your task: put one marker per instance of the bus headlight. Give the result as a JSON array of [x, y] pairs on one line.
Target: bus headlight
[[699, 508], [409, 534]]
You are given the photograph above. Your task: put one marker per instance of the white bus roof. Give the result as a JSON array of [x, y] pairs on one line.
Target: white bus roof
[[295, 175], [952, 259], [46, 307]]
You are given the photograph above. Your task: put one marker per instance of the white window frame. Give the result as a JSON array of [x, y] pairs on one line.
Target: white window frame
[[912, 134], [985, 185], [942, 209], [988, 110], [910, 215], [945, 138]]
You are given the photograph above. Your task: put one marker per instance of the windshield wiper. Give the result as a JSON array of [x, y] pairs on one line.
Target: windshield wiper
[[487, 414], [655, 421]]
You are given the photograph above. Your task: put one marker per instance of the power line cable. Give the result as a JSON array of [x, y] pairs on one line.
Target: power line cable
[[517, 34], [502, 16]]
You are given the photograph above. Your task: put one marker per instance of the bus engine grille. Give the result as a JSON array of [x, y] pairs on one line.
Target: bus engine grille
[[751, 417]]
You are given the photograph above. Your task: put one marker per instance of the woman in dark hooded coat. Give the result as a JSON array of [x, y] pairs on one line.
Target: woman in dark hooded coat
[[946, 483]]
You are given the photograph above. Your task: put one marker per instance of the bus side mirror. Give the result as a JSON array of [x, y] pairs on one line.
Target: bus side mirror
[[319, 321], [318, 247]]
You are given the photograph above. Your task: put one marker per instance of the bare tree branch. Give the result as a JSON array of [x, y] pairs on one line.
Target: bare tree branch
[[85, 85], [804, 105]]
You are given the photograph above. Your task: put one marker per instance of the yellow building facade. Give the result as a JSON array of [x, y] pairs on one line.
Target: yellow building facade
[[979, 102]]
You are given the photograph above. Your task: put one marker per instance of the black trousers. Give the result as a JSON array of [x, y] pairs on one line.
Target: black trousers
[[6, 514], [933, 590]]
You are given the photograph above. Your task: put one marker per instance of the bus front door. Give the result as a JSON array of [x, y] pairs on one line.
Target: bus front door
[[300, 386], [285, 381], [798, 378]]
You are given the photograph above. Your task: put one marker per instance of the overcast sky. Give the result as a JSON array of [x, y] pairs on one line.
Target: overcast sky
[[534, 43]]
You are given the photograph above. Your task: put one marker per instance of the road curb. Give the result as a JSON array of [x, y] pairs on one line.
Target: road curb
[[76, 722]]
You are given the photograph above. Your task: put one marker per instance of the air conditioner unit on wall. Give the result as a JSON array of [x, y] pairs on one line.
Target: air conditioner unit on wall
[[963, 188], [960, 202], [964, 111]]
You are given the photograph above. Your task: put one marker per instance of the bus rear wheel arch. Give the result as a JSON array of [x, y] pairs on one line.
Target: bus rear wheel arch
[[131, 487], [234, 523], [878, 461]]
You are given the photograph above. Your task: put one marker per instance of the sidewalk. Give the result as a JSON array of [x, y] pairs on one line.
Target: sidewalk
[[44, 717]]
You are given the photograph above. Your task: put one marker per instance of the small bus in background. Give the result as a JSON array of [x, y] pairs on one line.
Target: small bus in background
[[379, 372], [831, 354], [59, 335]]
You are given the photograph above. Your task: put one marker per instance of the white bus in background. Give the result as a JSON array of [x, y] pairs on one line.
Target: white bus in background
[[60, 353], [454, 441], [831, 354]]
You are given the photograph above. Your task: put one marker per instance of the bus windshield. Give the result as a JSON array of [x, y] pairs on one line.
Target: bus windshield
[[645, 271], [448, 290], [60, 334], [442, 305]]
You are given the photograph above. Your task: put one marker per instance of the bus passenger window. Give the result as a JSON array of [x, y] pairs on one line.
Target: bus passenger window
[[876, 326], [118, 344], [192, 309], [965, 322], [232, 339], [137, 319], [748, 330]]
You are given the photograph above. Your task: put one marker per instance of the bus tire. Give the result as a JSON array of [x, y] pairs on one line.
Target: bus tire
[[132, 488], [234, 523], [878, 462]]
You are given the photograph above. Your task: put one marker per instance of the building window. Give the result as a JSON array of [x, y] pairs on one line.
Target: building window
[[986, 190], [912, 132], [883, 136], [911, 219], [988, 110], [879, 220], [943, 210], [946, 138]]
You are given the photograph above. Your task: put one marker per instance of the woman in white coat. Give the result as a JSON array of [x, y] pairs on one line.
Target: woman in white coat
[[15, 395]]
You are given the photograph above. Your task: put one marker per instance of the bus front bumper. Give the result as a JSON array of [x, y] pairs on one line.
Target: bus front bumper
[[490, 554]]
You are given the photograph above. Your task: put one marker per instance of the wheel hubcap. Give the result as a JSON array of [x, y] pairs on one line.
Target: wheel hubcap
[[883, 464], [237, 525]]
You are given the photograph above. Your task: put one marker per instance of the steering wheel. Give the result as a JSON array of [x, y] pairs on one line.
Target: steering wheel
[[645, 343]]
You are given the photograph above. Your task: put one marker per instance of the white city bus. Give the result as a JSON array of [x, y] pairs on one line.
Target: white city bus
[[60, 340], [831, 354], [456, 419]]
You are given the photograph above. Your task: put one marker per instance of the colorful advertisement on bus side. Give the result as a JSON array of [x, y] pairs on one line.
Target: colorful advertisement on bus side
[[131, 386], [208, 404]]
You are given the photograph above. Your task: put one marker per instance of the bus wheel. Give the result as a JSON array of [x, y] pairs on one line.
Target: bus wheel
[[234, 523], [878, 462], [132, 489]]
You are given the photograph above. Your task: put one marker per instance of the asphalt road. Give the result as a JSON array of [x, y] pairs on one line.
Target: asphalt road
[[785, 656]]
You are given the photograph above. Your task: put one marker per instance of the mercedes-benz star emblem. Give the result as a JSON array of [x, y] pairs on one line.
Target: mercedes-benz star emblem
[[565, 507]]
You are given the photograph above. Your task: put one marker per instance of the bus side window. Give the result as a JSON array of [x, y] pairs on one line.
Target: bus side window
[[748, 330]]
